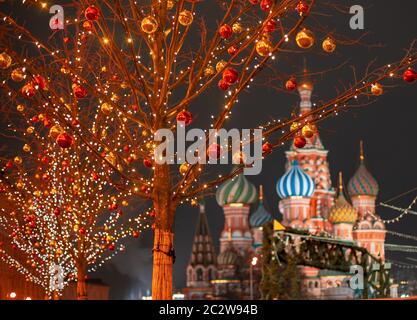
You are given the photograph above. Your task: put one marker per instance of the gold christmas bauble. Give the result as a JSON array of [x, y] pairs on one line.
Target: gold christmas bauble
[[37, 193], [55, 131], [294, 126], [5, 60], [26, 148], [125, 203], [17, 75], [185, 18], [18, 160], [20, 107], [305, 39], [19, 185], [209, 71], [30, 130], [194, 202], [111, 158], [377, 89], [329, 45], [149, 25], [184, 168], [170, 4], [237, 27], [308, 130], [264, 47], [220, 65], [106, 108]]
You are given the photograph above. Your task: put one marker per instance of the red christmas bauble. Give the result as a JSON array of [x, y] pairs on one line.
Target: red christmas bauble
[[147, 163], [75, 122], [410, 75], [88, 25], [135, 234], [266, 148], [28, 91], [126, 149], [300, 142], [302, 7], [79, 91], [111, 247], [185, 116], [9, 164], [92, 13], [47, 123], [270, 26], [214, 151], [223, 85], [40, 82], [82, 231], [152, 213], [64, 140], [66, 40], [232, 50], [230, 75], [57, 211], [291, 84], [225, 31], [266, 5]]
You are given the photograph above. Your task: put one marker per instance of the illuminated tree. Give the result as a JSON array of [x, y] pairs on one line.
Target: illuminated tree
[[121, 70], [62, 214]]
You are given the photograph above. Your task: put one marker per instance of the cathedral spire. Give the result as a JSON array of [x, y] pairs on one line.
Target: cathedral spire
[[340, 182], [362, 154]]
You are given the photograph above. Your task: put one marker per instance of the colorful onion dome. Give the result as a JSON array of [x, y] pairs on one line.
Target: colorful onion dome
[[342, 211], [228, 257], [295, 183], [362, 182], [260, 216], [236, 190]]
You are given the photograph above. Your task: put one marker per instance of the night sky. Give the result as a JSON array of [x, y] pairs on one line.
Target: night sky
[[388, 128]]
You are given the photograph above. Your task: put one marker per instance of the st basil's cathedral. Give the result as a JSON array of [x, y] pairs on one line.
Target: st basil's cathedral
[[308, 202]]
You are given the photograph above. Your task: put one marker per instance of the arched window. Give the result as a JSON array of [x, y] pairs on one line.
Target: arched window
[[199, 274], [316, 284]]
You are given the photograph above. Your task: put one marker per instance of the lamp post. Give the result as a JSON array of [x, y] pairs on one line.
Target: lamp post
[[252, 264]]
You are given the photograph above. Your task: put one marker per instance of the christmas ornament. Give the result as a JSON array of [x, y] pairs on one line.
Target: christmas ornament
[[185, 18], [209, 71], [377, 89], [5, 60], [220, 65], [149, 25], [300, 142], [225, 31], [264, 47], [106, 108], [55, 131], [18, 160], [64, 140], [302, 8], [135, 234], [214, 151], [308, 130], [266, 148], [223, 85], [184, 168], [291, 84], [266, 5], [147, 163], [230, 75], [40, 82], [305, 39], [20, 107], [28, 90], [92, 13], [17, 75], [26, 147], [237, 27], [232, 50], [79, 91], [30, 130], [88, 25], [410, 76], [270, 26], [185, 116], [294, 126], [329, 45]]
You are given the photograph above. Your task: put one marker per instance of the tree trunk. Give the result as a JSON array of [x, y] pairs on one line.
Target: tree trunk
[[163, 250], [81, 283]]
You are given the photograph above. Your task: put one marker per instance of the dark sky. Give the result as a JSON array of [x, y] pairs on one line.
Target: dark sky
[[388, 128]]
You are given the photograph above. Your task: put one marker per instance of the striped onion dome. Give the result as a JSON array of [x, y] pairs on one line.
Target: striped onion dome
[[342, 211], [260, 216], [228, 257], [362, 182], [295, 182], [236, 190]]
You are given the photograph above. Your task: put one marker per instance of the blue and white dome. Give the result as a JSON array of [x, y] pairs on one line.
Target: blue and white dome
[[295, 183], [261, 215]]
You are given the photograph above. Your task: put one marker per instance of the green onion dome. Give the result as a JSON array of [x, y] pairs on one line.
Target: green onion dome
[[236, 190]]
